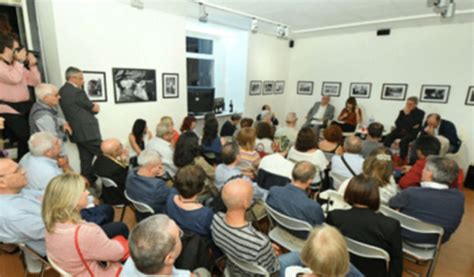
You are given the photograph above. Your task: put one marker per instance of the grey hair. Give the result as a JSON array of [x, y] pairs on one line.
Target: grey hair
[[291, 117], [353, 145], [265, 114], [150, 242], [41, 142], [444, 170], [44, 89], [303, 171], [413, 99], [162, 129], [71, 71], [148, 156]]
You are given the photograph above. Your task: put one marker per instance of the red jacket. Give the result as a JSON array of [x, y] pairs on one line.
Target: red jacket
[[413, 177]]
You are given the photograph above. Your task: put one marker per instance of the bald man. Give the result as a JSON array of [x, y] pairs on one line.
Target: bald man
[[112, 164], [350, 163]]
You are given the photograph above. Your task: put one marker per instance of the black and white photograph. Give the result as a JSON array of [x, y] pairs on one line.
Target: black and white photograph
[[394, 92], [170, 85], [435, 93], [305, 87], [470, 96], [134, 85], [360, 90], [94, 85], [255, 88], [331, 89], [268, 87], [279, 87]]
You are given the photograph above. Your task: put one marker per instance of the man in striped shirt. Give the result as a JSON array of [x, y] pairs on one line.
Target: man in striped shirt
[[236, 237]]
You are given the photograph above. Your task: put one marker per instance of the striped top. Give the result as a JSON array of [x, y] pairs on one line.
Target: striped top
[[244, 243]]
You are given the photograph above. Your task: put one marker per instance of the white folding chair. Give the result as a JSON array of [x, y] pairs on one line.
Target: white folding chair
[[249, 267], [61, 271], [282, 236], [335, 201], [419, 251], [140, 206], [26, 250], [337, 179], [109, 183], [367, 251]]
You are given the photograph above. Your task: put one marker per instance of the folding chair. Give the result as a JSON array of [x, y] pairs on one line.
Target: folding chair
[[282, 236], [26, 250], [61, 271], [421, 252], [140, 206], [109, 183], [335, 201], [367, 251], [250, 267]]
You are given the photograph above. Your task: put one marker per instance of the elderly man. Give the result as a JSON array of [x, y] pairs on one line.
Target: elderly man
[[350, 163], [320, 113], [407, 127], [267, 116], [112, 164], [162, 144], [434, 202], [143, 184], [80, 113], [155, 244], [289, 131], [444, 130]]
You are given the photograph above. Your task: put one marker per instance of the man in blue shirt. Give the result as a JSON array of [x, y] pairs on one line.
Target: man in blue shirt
[[292, 199]]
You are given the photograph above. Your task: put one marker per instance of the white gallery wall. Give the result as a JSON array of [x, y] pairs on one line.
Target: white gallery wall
[[441, 54]]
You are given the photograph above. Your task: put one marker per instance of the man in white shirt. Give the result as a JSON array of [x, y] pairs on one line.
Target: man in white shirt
[[289, 131], [352, 157], [162, 144]]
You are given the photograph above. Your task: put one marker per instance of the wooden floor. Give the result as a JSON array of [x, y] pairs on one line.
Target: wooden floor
[[456, 257]]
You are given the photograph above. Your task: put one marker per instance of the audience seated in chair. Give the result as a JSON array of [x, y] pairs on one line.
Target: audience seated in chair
[[229, 127], [189, 125], [211, 143], [275, 169], [332, 143], [350, 116], [325, 253], [264, 140], [267, 116], [137, 138], [249, 157], [112, 164], [182, 204], [353, 160], [144, 185], [161, 143], [155, 244], [168, 120], [374, 136], [364, 224], [67, 234], [289, 131], [379, 166], [444, 130], [300, 207], [434, 202]]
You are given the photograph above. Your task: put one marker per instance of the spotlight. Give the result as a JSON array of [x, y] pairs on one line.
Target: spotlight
[[254, 26], [282, 31], [203, 15], [449, 10]]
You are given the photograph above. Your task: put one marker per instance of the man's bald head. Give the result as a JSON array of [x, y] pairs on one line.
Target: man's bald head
[[353, 145], [237, 194], [111, 147]]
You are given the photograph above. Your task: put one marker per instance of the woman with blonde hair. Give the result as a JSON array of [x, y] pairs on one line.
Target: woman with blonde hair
[[168, 120], [379, 166], [78, 247]]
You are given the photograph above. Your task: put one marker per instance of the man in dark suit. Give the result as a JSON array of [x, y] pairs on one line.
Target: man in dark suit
[[436, 126], [407, 126], [80, 113]]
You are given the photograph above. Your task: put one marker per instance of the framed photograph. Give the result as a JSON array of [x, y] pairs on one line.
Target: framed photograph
[[170, 85], [394, 92], [435, 93], [133, 85], [255, 88], [470, 96], [279, 87], [268, 87], [305, 87], [360, 90], [94, 85], [331, 89]]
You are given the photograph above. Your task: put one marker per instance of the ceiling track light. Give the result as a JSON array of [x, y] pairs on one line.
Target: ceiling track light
[[254, 26], [445, 8], [282, 31], [449, 11], [203, 15]]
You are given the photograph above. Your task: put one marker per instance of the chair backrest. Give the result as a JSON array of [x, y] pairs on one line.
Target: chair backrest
[[338, 179], [28, 250], [288, 222], [140, 206], [108, 183], [367, 251], [250, 267], [61, 271]]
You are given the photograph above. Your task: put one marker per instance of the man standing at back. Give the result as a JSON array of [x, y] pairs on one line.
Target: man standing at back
[[80, 113]]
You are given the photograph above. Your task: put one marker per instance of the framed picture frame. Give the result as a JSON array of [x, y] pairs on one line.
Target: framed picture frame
[[170, 85], [470, 96], [133, 85], [95, 86], [360, 90], [435, 93], [279, 87], [255, 88], [394, 92], [268, 87], [305, 87], [331, 89]]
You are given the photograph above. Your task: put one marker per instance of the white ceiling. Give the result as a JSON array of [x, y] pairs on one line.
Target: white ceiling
[[309, 14]]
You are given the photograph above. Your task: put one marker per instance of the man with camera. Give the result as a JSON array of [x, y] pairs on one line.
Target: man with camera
[[18, 70]]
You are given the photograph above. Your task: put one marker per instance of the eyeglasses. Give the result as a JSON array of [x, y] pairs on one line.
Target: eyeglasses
[[18, 169]]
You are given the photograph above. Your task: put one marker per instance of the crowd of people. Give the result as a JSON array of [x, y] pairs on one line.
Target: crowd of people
[[207, 188]]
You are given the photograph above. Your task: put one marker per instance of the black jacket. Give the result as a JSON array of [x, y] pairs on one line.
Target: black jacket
[[405, 123], [448, 130], [105, 167]]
